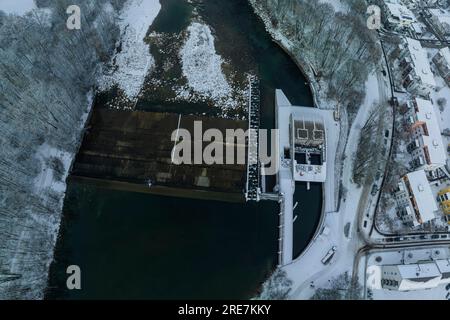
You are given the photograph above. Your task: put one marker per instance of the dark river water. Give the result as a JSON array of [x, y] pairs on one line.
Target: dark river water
[[139, 246]]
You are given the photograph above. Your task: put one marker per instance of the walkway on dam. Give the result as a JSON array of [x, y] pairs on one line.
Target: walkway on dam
[[285, 176]]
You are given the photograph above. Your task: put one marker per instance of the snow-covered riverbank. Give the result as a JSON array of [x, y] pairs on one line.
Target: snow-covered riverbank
[[307, 273], [43, 120]]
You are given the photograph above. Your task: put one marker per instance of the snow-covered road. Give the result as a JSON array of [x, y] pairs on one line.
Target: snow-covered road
[[308, 268]]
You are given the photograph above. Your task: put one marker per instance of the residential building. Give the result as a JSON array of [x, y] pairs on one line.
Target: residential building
[[397, 16], [414, 68], [444, 201], [419, 276], [416, 204], [426, 146], [442, 63], [441, 20], [411, 4], [417, 29]]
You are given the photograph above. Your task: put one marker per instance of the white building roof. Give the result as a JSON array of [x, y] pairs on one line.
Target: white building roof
[[445, 53], [420, 61], [311, 173], [419, 271], [421, 191], [444, 268], [417, 27], [442, 16], [419, 276], [433, 141], [400, 11]]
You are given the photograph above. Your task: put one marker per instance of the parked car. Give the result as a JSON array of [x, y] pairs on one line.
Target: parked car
[[374, 190]]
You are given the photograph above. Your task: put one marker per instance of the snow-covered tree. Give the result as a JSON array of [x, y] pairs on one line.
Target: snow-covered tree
[[46, 72]]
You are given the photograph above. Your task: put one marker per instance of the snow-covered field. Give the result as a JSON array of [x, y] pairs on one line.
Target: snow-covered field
[[130, 66], [202, 66], [18, 7]]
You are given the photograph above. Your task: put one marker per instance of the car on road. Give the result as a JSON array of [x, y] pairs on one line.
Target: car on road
[[374, 190], [327, 258], [435, 236], [378, 176]]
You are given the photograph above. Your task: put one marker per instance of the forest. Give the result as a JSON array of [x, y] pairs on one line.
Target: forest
[[47, 74], [336, 44]]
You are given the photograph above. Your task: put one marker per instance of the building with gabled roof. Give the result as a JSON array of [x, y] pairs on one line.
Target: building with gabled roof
[[418, 276], [416, 203], [426, 146], [414, 68], [442, 62], [397, 16], [441, 20]]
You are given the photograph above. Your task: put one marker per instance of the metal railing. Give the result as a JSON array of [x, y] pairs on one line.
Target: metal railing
[[253, 164]]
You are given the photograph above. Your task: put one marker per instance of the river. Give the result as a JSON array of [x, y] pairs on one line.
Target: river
[[139, 246]]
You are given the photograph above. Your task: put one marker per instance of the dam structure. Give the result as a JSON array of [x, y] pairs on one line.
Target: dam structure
[[303, 157]]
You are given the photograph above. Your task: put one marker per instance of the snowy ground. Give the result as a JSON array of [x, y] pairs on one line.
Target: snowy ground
[[18, 7], [338, 5], [343, 234], [49, 181], [202, 67], [308, 268], [376, 259], [49, 185], [130, 66]]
